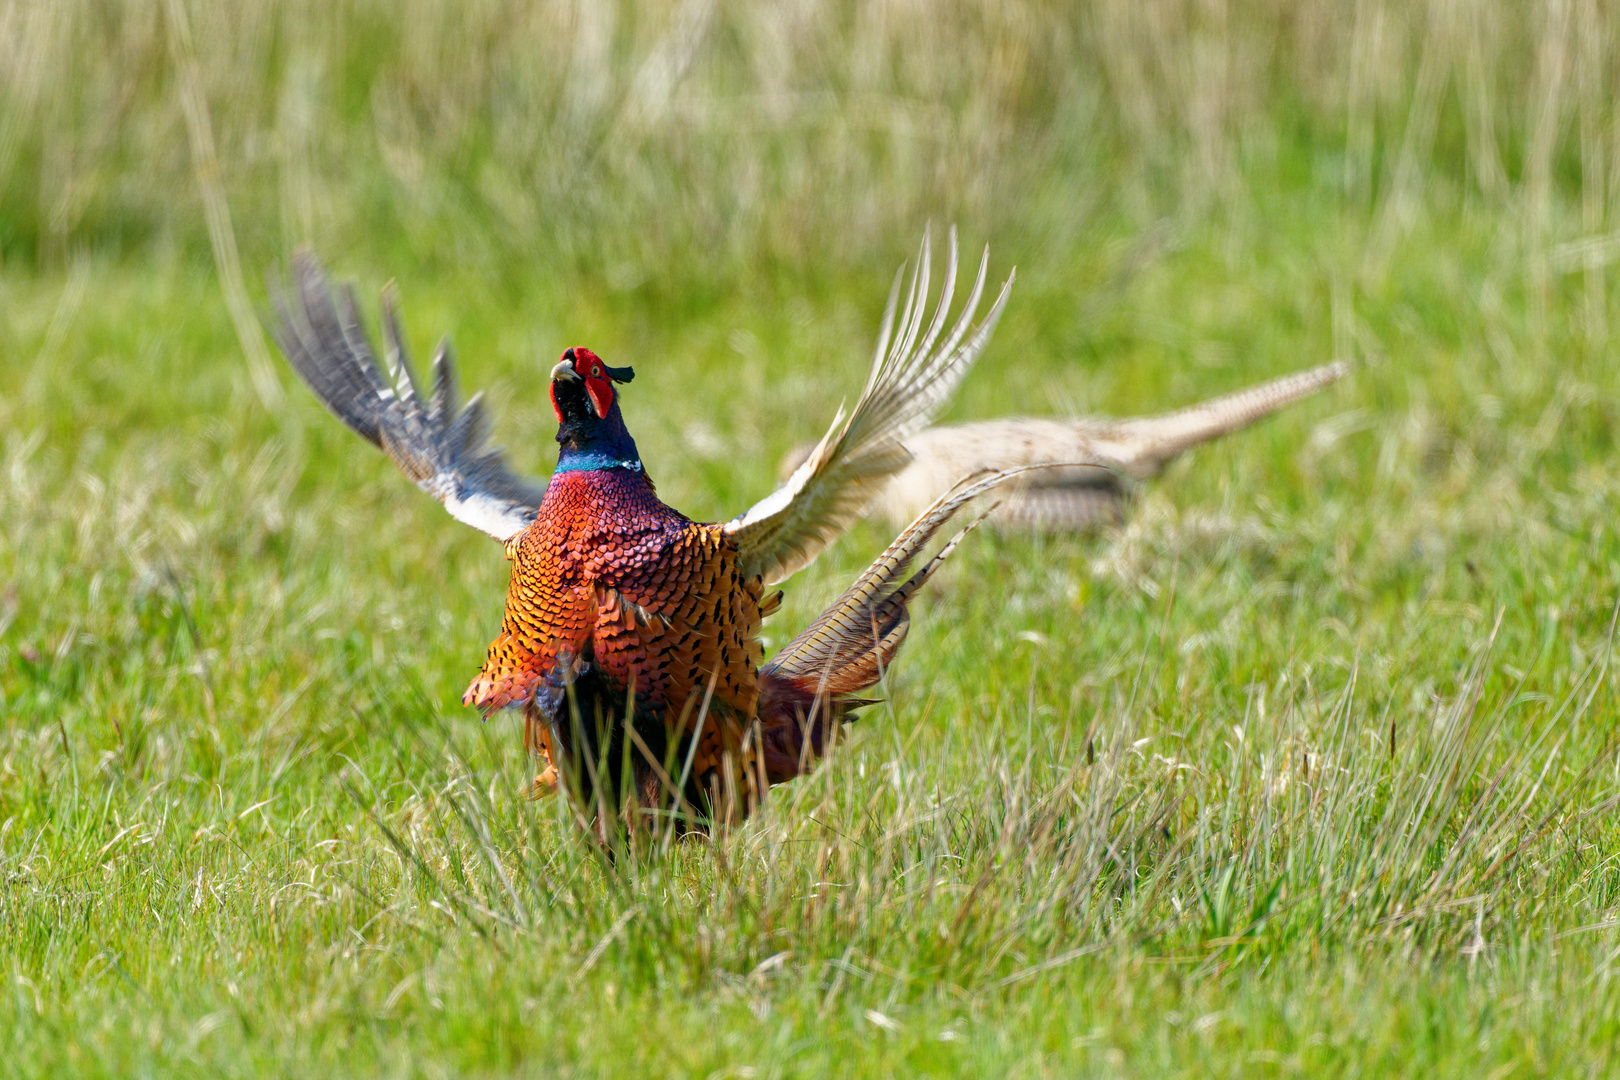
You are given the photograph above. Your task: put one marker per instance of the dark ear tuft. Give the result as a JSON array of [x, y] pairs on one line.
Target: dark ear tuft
[[620, 374]]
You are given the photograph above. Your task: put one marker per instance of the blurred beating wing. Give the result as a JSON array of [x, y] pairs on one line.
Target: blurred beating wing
[[440, 445], [910, 379]]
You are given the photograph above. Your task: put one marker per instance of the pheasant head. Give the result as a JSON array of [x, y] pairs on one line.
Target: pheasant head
[[590, 427]]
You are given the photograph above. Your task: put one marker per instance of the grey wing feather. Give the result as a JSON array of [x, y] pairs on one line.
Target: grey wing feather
[[441, 445], [913, 373]]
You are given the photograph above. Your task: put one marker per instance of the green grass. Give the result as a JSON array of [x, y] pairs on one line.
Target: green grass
[[1309, 769]]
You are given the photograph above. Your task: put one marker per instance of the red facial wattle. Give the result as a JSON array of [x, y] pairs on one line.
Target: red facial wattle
[[589, 366], [601, 393]]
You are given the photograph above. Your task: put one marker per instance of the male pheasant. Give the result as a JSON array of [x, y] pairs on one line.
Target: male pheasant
[[631, 633]]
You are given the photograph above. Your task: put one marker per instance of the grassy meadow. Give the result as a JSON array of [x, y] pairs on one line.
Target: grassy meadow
[[1309, 769]]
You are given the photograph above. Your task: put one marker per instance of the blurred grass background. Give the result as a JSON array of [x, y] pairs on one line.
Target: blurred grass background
[[1307, 769]]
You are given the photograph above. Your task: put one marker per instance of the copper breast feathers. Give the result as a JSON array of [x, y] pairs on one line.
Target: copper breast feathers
[[609, 573]]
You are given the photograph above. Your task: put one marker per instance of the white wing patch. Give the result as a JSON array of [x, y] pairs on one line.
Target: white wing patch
[[488, 515]]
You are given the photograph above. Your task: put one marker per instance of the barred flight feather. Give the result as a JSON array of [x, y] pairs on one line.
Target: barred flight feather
[[909, 381], [442, 447]]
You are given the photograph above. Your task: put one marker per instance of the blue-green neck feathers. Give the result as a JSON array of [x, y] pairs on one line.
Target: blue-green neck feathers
[[587, 443]]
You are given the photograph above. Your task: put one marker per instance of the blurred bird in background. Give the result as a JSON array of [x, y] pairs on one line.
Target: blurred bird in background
[[1073, 498]]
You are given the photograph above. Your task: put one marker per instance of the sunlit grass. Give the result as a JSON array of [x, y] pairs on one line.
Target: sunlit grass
[[1308, 769]]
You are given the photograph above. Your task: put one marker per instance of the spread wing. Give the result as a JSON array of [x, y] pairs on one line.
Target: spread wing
[[438, 443], [913, 373]]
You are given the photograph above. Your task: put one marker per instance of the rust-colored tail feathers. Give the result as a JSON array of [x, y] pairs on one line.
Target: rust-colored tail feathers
[[807, 689]]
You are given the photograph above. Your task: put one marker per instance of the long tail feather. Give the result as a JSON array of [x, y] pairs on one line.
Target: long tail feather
[[1152, 441]]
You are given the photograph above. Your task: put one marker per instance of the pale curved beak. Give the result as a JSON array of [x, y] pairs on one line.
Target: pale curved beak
[[565, 370]]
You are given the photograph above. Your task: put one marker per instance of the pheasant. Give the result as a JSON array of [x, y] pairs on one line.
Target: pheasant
[[631, 633], [1077, 498]]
